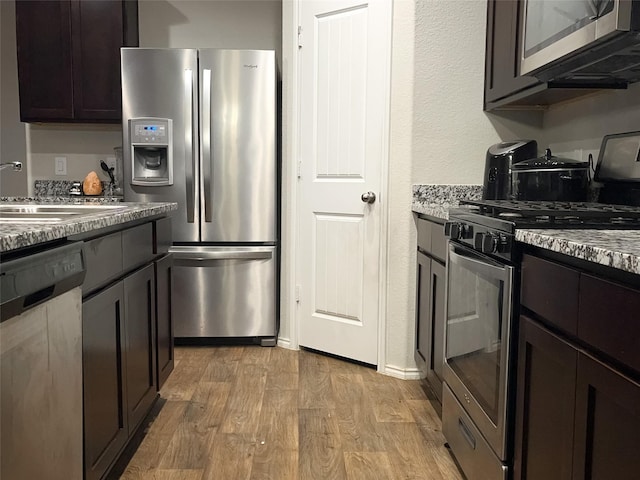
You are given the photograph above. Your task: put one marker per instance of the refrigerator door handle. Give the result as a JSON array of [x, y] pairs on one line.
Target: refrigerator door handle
[[189, 151], [226, 254], [206, 159]]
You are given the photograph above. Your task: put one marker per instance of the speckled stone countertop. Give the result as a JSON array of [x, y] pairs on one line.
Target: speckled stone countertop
[[19, 235], [614, 248], [435, 200]]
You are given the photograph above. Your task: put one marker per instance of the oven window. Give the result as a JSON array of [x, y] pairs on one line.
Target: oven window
[[474, 331], [548, 21]]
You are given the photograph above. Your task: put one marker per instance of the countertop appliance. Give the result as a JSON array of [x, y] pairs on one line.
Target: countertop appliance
[[200, 128], [41, 363], [551, 178], [582, 42], [618, 169], [483, 272], [497, 167]]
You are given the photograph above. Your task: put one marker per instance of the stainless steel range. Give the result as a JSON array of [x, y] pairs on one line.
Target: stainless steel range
[[482, 303]]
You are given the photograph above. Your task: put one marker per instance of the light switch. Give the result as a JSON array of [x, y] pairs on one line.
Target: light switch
[[61, 165]]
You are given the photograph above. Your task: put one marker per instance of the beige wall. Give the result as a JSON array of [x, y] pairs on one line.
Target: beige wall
[[250, 24], [439, 134], [12, 132]]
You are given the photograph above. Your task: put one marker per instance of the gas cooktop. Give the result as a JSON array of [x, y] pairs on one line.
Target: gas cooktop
[[552, 215]]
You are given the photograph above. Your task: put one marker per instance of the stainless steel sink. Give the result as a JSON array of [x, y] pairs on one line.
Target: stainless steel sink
[[26, 213]]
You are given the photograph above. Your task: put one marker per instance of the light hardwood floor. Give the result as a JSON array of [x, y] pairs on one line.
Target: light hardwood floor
[[252, 413]]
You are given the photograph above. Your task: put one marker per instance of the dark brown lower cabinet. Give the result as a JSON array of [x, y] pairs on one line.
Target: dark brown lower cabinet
[[576, 417], [119, 366], [607, 423], [103, 361], [430, 303], [545, 404], [140, 319], [164, 321]]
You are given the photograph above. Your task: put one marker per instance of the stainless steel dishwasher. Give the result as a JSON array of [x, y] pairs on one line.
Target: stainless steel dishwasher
[[41, 363]]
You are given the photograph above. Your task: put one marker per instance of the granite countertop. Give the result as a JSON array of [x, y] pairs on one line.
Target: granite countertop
[[436, 200], [613, 248], [19, 235]]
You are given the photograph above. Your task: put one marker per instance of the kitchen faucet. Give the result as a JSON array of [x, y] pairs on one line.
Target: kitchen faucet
[[17, 166]]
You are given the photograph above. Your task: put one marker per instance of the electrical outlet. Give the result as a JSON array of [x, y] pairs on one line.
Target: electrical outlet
[[61, 165]]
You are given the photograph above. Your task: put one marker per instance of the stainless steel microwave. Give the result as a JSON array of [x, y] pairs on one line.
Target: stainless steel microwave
[[581, 41]]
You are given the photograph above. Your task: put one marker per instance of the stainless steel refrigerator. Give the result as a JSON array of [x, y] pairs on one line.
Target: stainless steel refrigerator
[[200, 129]]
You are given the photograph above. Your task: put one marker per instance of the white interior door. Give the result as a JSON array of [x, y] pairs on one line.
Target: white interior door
[[343, 138]]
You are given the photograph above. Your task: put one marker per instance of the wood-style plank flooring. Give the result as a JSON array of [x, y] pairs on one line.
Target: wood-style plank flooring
[[249, 412]]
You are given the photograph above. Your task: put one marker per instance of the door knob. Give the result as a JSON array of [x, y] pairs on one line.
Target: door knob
[[368, 197]]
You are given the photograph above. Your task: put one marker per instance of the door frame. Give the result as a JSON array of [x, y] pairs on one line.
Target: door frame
[[291, 72]]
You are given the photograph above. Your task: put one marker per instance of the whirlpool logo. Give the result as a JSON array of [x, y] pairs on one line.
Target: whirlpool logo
[[250, 66]]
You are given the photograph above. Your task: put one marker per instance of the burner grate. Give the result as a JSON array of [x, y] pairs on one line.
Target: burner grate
[[559, 214]]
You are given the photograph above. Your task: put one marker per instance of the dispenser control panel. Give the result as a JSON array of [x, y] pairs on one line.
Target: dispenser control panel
[[146, 132]]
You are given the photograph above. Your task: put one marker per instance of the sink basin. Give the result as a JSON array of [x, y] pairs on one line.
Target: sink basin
[[26, 213]]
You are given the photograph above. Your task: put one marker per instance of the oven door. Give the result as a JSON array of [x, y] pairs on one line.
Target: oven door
[[478, 322]]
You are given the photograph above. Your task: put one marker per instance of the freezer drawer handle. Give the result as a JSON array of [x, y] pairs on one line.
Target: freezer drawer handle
[[224, 255]]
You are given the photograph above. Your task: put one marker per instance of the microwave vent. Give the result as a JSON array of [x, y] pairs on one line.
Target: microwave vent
[[610, 64]]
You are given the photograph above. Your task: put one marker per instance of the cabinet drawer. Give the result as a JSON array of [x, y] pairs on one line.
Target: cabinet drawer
[[438, 241], [103, 258], [431, 239], [137, 246], [610, 319], [551, 291], [424, 234], [162, 236]]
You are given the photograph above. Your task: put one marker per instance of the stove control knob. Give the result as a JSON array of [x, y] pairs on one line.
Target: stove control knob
[[453, 230], [467, 231], [487, 242]]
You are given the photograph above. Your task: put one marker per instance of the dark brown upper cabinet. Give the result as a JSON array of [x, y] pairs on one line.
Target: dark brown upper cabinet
[[504, 87], [501, 61], [69, 58]]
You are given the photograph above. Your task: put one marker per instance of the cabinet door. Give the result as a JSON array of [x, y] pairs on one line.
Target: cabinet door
[[607, 443], [139, 298], [43, 37], [502, 51], [438, 302], [96, 41], [103, 360], [164, 321], [423, 309], [545, 401]]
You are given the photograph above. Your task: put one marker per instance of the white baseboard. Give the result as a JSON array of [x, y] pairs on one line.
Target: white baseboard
[[285, 343], [401, 373]]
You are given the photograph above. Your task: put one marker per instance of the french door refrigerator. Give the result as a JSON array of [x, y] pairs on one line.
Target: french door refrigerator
[[200, 129]]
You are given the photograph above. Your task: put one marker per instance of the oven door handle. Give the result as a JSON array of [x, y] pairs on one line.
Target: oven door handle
[[492, 271]]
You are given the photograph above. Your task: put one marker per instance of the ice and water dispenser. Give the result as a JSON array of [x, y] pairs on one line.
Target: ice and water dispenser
[[151, 147]]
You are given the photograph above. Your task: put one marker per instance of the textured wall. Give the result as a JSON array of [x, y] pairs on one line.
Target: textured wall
[[400, 228], [12, 132], [251, 24], [451, 132], [576, 129], [439, 134]]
